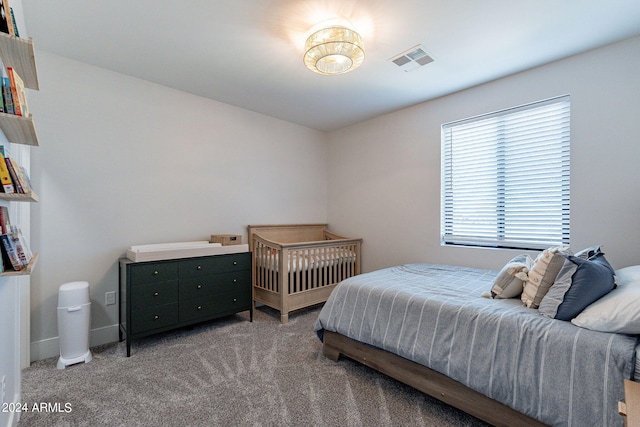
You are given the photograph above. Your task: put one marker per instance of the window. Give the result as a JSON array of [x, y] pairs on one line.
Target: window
[[505, 177]]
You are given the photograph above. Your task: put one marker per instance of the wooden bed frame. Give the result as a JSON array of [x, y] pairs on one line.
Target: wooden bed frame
[[426, 380], [288, 248]]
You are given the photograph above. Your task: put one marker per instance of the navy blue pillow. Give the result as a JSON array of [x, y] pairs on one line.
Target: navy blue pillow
[[592, 279]]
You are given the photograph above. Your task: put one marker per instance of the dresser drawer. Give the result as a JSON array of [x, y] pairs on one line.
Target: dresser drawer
[[194, 287], [205, 266], [151, 294], [159, 316], [153, 272], [235, 301], [197, 308]]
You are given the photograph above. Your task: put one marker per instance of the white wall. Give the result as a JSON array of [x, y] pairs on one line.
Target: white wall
[[124, 162], [384, 174]]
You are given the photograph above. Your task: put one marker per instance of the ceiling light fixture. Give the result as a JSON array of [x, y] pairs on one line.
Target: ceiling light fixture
[[334, 48]]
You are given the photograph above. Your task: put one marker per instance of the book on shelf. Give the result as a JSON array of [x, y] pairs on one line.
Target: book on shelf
[[25, 182], [6, 22], [14, 175], [13, 22], [22, 248], [23, 179], [7, 98], [5, 178], [16, 249], [10, 252], [18, 176], [4, 220], [17, 93], [5, 228]]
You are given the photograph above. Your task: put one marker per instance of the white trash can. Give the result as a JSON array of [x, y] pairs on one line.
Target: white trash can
[[74, 317]]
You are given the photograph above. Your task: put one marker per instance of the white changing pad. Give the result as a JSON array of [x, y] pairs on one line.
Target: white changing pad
[[162, 251]]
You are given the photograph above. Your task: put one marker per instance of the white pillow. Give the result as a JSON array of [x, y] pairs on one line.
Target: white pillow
[[510, 281], [542, 275], [628, 274], [618, 311]]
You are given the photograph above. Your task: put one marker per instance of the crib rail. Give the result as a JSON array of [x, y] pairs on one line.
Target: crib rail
[[317, 266], [304, 266]]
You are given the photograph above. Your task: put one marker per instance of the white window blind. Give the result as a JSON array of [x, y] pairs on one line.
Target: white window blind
[[505, 177]]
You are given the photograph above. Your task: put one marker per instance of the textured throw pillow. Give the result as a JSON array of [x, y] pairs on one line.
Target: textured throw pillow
[[542, 275], [628, 274], [510, 280], [579, 283], [617, 312]]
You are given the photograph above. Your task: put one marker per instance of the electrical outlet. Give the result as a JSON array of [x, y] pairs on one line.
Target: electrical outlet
[[109, 298]]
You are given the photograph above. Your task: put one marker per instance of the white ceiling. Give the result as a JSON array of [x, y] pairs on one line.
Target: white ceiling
[[248, 53]]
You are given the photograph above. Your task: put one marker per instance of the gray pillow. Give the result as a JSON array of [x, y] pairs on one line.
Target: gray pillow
[[579, 283]]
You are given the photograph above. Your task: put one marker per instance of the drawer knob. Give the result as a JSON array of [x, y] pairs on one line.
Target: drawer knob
[[199, 307], [155, 294], [235, 262], [156, 317], [235, 299], [199, 287], [199, 267], [155, 273], [235, 280]]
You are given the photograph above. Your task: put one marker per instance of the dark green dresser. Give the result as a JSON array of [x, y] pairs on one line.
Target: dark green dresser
[[157, 296]]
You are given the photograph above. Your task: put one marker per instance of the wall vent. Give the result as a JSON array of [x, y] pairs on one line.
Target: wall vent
[[412, 59]]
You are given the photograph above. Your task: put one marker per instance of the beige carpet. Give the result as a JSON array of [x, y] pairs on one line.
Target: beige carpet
[[227, 373]]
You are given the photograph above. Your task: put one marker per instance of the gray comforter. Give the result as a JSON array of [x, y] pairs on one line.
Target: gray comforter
[[434, 315]]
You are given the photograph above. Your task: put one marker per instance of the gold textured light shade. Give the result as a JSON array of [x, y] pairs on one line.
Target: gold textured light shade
[[335, 49]]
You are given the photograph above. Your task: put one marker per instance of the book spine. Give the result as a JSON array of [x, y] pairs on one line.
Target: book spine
[[13, 22], [11, 252], [2, 109], [14, 91], [4, 220], [5, 178], [24, 180], [22, 248], [17, 88], [6, 25], [13, 173], [6, 95]]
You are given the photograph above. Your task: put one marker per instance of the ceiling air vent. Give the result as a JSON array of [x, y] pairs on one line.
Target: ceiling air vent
[[412, 59]]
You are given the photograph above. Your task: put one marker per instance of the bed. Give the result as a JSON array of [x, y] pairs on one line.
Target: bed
[[298, 265], [428, 326]]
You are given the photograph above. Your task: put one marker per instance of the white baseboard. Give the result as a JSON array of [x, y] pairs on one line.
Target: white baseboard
[[50, 347]]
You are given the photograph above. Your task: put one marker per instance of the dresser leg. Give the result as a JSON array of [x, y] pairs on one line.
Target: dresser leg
[[128, 347]]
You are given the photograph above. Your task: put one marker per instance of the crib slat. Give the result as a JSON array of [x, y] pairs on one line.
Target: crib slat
[[314, 273], [343, 262], [305, 268]]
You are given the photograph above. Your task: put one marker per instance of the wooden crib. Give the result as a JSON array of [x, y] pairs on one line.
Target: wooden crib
[[312, 259]]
